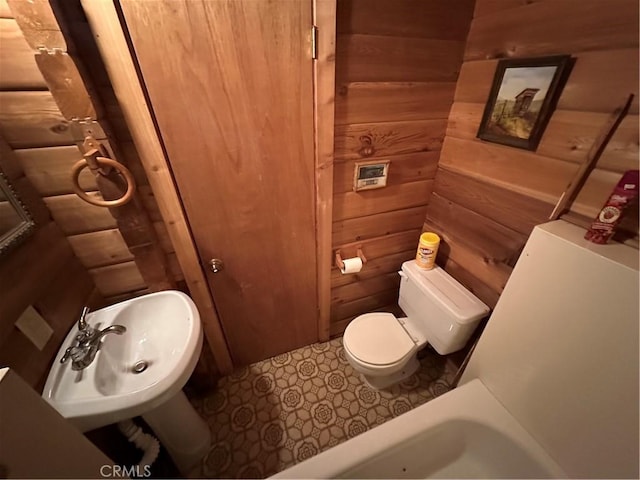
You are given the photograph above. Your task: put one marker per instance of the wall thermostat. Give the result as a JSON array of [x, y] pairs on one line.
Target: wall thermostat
[[369, 175]]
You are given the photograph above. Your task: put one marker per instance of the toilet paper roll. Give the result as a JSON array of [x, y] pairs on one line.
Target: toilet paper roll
[[351, 265]]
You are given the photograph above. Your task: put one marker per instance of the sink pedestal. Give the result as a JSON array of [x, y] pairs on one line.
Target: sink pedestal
[[180, 430]]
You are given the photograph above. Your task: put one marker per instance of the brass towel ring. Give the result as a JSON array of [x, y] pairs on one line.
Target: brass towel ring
[[128, 195]]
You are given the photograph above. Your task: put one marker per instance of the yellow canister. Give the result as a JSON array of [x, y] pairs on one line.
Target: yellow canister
[[427, 250]]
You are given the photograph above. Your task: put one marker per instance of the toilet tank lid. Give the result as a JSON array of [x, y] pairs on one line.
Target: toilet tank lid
[[447, 292]]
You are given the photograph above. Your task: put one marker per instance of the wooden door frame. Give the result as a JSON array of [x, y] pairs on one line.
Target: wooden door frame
[[112, 43], [324, 79]]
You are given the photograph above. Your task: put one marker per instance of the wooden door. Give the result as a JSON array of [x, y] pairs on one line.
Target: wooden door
[[230, 84]]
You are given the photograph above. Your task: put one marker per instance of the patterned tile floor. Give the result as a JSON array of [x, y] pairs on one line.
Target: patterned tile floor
[[283, 410]]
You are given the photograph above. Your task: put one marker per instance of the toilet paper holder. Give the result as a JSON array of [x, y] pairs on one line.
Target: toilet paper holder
[[340, 263]]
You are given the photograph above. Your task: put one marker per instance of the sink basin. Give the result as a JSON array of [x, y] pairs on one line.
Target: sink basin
[[163, 338]]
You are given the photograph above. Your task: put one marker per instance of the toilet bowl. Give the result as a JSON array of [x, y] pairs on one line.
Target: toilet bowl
[[380, 347], [440, 311]]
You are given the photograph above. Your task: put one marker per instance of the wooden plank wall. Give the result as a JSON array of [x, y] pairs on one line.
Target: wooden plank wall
[[488, 197], [40, 136], [396, 68]]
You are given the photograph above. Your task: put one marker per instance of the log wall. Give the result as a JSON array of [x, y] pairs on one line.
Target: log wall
[[34, 123]]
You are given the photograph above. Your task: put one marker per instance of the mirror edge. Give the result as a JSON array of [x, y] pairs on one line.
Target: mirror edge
[[19, 233]]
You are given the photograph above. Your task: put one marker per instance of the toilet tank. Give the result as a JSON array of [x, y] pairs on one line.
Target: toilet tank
[[439, 307]]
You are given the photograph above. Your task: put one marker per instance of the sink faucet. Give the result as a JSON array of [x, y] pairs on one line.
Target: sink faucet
[[87, 342]]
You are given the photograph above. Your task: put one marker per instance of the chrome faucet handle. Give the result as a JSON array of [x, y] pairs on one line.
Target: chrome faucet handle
[[67, 355], [82, 323]]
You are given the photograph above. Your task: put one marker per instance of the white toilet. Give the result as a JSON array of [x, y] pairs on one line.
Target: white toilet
[[440, 311]]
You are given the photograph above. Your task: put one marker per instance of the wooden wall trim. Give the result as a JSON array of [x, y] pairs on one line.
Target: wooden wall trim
[[324, 17], [112, 44]]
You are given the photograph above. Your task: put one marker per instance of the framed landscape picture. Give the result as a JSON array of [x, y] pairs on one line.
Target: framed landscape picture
[[522, 98]]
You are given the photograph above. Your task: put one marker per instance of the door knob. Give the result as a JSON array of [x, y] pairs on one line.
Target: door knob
[[216, 265]]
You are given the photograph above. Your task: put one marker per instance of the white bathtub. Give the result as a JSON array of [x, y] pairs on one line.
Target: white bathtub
[[465, 433]]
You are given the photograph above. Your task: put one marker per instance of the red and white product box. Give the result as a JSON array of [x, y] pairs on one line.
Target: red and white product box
[[603, 227]]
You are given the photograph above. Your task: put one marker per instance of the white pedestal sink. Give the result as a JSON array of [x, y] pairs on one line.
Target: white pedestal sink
[[163, 340]]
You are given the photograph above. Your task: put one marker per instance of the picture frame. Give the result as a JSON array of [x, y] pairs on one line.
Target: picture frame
[[523, 96]]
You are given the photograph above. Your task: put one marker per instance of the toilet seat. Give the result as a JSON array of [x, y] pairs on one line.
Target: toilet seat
[[377, 339]]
